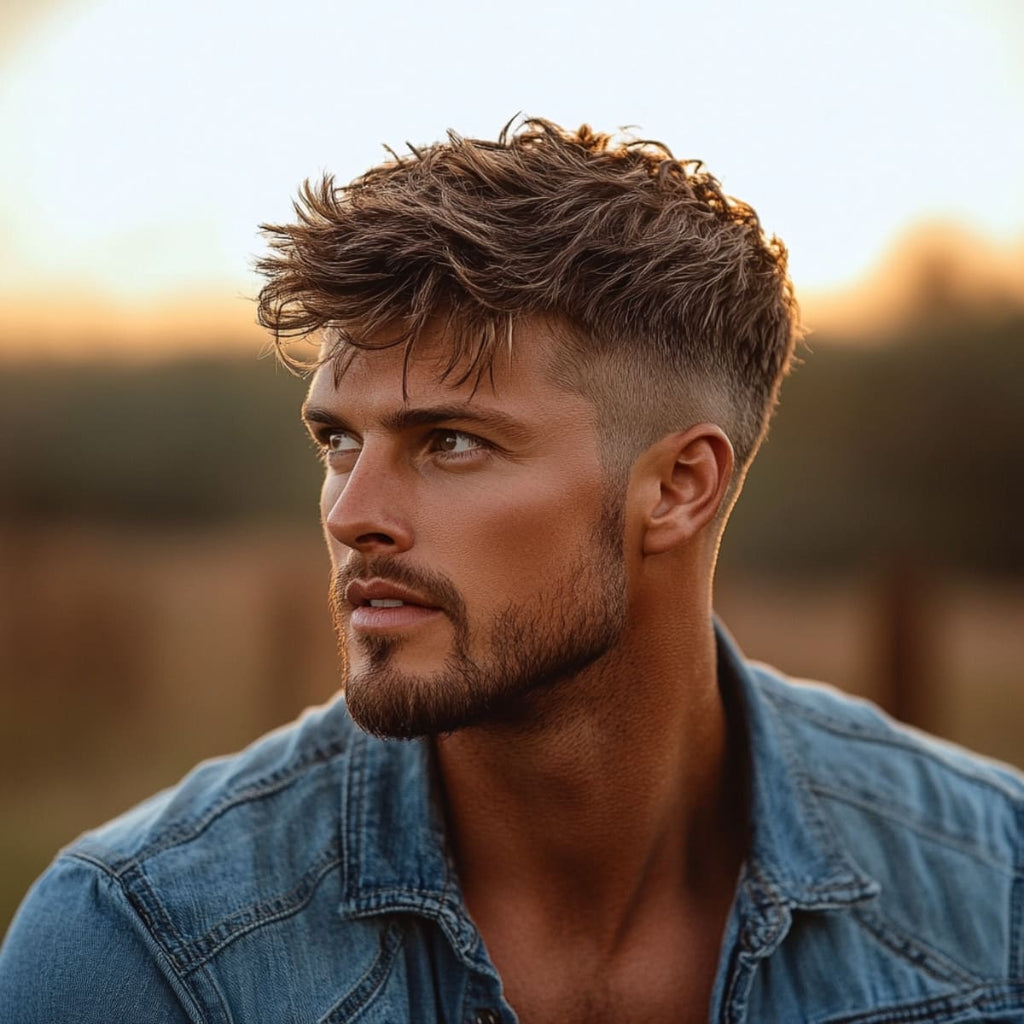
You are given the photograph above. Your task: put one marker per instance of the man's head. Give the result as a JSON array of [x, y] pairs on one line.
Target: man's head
[[673, 306], [539, 355]]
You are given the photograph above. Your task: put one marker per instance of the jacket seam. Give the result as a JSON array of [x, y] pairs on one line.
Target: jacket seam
[[913, 951], [140, 903], [180, 833], [992, 996], [894, 739], [142, 913], [1015, 966], [369, 983], [355, 814], [879, 807], [816, 821], [257, 916]]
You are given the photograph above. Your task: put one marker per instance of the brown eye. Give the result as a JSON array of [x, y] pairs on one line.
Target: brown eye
[[339, 441], [456, 442]]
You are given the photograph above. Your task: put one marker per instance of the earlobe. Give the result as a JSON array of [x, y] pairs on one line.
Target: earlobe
[[692, 471]]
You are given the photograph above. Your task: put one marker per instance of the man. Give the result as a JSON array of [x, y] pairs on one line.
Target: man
[[546, 363]]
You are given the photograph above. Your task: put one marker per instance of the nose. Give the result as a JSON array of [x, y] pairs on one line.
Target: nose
[[364, 508]]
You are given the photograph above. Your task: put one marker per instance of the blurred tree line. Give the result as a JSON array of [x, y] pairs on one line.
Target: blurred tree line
[[908, 446]]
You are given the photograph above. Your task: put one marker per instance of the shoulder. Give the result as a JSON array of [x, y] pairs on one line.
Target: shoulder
[[239, 840], [242, 842], [938, 828], [869, 752], [256, 793]]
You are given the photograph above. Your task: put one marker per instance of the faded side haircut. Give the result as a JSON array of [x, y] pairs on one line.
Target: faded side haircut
[[672, 305]]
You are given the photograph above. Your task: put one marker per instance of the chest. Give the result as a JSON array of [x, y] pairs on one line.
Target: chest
[[652, 985], [599, 1006]]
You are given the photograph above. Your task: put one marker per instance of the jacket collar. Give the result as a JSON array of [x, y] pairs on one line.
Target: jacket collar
[[392, 840], [393, 832], [795, 854]]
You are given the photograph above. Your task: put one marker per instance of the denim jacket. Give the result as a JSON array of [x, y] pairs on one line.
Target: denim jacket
[[307, 880]]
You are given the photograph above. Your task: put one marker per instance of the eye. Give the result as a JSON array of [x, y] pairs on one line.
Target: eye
[[337, 448], [455, 442], [337, 441]]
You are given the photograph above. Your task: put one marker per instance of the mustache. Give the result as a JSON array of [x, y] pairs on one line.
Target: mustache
[[434, 586]]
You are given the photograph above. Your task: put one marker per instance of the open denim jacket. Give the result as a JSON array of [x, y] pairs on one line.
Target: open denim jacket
[[307, 880]]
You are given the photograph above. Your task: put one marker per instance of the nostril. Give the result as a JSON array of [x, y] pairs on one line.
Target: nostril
[[374, 538]]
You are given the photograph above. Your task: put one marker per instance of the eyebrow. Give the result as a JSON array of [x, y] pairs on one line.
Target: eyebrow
[[404, 419]]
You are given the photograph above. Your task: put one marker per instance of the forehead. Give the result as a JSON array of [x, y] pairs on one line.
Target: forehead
[[518, 379]]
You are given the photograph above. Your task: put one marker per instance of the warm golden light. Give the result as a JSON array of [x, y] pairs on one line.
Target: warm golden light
[[144, 143]]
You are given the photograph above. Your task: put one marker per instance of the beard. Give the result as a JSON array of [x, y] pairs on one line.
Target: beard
[[528, 647]]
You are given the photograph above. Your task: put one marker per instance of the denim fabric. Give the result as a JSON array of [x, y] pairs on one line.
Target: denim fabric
[[306, 880]]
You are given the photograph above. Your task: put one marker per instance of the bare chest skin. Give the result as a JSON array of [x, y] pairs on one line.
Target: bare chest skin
[[667, 977]]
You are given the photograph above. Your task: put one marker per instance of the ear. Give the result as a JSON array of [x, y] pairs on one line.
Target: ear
[[685, 480]]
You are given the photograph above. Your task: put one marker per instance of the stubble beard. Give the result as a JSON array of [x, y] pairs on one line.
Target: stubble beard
[[530, 648]]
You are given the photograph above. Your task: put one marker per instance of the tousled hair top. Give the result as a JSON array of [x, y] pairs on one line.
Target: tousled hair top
[[649, 265]]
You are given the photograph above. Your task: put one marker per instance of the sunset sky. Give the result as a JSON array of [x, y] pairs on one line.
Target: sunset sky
[[143, 142]]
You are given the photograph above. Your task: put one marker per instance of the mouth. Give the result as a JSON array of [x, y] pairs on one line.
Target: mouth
[[379, 606]]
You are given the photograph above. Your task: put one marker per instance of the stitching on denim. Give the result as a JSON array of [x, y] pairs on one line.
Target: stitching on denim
[[74, 854], [757, 890], [465, 933], [913, 950], [741, 972], [855, 730], [145, 899], [1015, 966], [145, 917], [424, 902], [445, 911], [816, 822], [179, 833], [451, 900], [277, 909], [761, 889], [441, 904], [382, 897], [218, 992], [139, 907], [903, 816], [355, 810], [372, 979], [985, 998]]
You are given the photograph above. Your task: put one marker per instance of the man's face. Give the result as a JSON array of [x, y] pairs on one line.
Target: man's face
[[476, 549]]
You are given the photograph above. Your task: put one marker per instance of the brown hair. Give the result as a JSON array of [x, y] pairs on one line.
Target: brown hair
[[673, 305]]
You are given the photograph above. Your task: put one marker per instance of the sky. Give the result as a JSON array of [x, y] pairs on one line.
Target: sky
[[143, 142]]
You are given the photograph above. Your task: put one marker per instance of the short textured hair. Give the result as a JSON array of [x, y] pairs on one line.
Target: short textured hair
[[672, 305]]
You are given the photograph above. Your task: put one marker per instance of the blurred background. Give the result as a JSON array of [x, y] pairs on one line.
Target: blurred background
[[162, 585]]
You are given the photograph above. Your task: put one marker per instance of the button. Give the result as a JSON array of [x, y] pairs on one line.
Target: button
[[487, 1016]]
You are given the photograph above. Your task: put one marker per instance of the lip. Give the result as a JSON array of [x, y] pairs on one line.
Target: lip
[[414, 610], [360, 593]]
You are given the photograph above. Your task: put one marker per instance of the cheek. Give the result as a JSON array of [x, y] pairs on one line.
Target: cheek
[[517, 539]]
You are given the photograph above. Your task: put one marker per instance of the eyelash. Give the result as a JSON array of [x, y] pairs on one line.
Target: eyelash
[[323, 443], [479, 444]]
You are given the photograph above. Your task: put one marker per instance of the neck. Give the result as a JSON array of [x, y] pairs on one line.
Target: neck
[[610, 793]]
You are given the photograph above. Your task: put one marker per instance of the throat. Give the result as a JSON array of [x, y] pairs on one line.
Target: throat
[[602, 836]]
